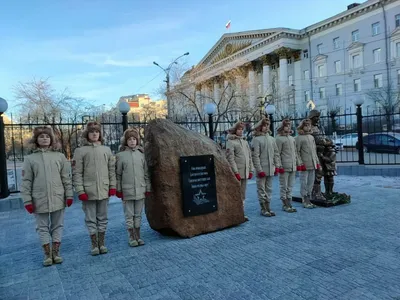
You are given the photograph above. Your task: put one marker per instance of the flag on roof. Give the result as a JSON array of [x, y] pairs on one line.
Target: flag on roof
[[228, 25]]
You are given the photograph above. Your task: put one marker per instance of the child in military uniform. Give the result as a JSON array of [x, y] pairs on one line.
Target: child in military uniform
[[239, 156], [133, 183], [308, 160], [94, 181], [46, 190], [267, 163]]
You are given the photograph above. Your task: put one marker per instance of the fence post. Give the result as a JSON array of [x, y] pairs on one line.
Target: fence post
[[4, 192], [359, 102]]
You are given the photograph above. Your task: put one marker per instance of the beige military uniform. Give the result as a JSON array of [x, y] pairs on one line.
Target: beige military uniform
[[46, 184], [94, 175], [239, 157], [133, 181], [265, 158], [307, 153], [288, 153]]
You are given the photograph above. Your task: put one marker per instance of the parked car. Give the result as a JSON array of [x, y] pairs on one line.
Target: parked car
[[347, 140], [382, 142]]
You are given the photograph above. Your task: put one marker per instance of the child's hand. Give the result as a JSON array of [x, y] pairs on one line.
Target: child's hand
[[120, 195], [112, 192], [69, 202], [83, 197], [261, 174], [281, 170], [147, 194], [276, 171], [238, 177], [250, 175], [29, 208]]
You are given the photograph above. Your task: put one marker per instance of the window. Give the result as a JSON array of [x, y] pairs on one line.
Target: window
[[355, 35], [305, 53], [377, 55], [378, 81], [290, 80], [398, 49], [376, 28], [339, 90], [357, 85], [319, 48], [322, 94], [321, 70], [356, 61], [307, 96], [398, 77], [397, 20], [306, 74], [273, 67], [338, 66], [289, 61], [336, 43]]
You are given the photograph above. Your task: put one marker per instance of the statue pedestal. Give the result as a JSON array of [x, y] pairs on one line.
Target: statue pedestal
[[331, 200]]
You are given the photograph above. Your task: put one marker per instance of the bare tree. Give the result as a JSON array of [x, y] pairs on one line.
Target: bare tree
[[387, 100], [231, 100], [40, 103]]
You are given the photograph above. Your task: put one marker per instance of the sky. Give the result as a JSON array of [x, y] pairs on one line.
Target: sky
[[103, 49]]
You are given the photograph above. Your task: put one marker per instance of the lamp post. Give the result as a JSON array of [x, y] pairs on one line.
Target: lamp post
[[270, 110], [4, 192], [167, 70], [358, 103], [124, 108], [210, 109]]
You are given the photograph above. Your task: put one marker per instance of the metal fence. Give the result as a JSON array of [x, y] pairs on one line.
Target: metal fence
[[380, 145]]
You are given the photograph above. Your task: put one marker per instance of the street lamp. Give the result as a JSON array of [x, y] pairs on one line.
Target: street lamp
[[4, 192], [210, 109], [358, 102], [167, 70], [124, 108], [270, 110]]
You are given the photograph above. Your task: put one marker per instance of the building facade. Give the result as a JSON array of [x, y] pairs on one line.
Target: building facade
[[143, 108], [331, 62]]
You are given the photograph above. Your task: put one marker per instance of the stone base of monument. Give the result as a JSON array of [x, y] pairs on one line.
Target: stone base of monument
[[331, 200]]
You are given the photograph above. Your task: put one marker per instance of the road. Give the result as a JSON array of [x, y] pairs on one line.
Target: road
[[351, 155]]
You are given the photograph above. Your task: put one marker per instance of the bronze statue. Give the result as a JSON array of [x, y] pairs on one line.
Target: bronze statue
[[327, 158]]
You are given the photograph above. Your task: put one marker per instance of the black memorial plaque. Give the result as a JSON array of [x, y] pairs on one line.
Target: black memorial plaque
[[199, 190]]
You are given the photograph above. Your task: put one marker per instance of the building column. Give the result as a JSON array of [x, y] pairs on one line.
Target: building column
[[217, 92], [252, 85], [266, 74], [266, 78], [283, 74], [298, 80]]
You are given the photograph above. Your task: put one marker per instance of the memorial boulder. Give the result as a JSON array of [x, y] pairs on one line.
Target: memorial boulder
[[193, 188]]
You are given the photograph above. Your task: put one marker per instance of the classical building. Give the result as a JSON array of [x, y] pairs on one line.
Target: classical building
[[144, 108], [331, 62]]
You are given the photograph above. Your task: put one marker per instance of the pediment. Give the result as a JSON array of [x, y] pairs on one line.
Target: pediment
[[355, 46], [395, 33], [320, 58], [232, 43]]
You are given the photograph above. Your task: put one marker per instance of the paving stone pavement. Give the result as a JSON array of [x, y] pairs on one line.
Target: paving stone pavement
[[344, 252]]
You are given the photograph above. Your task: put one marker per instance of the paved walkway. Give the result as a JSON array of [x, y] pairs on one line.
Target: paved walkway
[[345, 252]]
